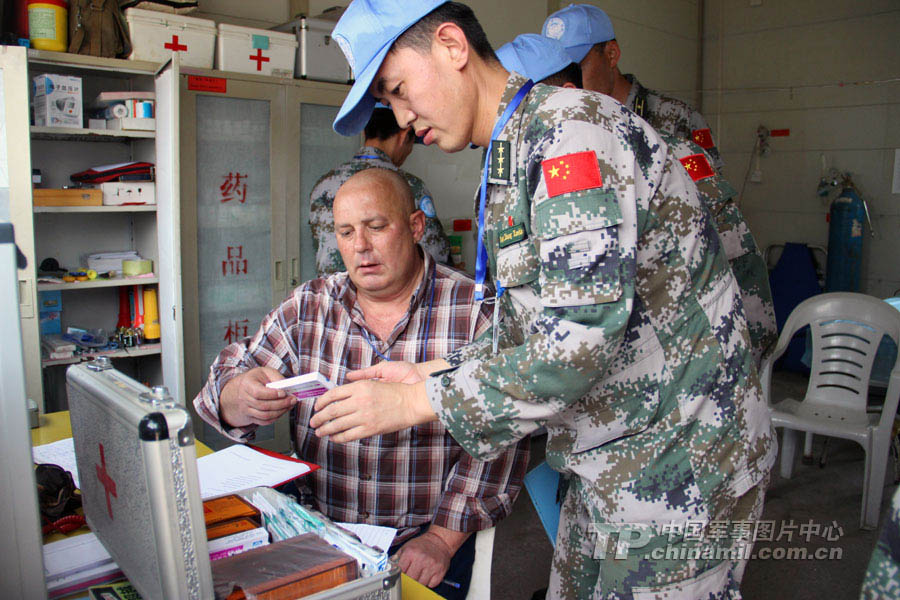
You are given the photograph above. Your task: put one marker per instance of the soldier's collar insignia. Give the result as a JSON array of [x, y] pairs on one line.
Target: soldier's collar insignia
[[501, 162]]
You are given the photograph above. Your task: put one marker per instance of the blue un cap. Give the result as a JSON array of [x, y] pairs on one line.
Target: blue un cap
[[578, 27], [365, 33], [534, 56]]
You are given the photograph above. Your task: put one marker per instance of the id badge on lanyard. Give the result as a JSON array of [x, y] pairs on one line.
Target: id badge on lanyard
[[481, 257]]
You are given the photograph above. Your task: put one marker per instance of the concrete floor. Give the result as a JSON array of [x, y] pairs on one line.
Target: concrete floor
[[828, 496]]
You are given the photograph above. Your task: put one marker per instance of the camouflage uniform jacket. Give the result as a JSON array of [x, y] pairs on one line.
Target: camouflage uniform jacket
[[328, 259], [622, 329], [882, 579], [671, 115], [747, 262]]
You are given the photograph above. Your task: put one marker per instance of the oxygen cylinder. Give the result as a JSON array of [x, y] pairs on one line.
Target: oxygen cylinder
[[845, 236]]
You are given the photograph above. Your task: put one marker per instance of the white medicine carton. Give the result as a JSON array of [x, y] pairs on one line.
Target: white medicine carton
[[120, 193], [57, 101], [155, 35], [257, 51]]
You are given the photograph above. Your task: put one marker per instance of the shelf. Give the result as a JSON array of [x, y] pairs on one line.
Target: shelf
[[96, 209], [97, 283], [142, 350], [72, 134], [76, 62]]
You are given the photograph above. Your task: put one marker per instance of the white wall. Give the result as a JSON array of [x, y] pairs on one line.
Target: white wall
[[800, 51], [659, 41]]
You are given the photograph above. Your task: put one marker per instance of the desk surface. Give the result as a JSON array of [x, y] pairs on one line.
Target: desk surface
[[56, 426]]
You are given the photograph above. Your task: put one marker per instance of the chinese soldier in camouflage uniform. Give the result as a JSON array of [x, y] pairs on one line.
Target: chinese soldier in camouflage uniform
[[382, 131], [544, 60], [882, 580], [623, 333], [587, 33]]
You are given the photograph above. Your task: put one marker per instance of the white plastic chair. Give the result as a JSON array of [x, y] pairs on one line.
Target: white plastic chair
[[846, 330], [480, 586]]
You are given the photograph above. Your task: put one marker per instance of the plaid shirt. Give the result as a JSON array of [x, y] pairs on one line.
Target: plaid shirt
[[405, 479]]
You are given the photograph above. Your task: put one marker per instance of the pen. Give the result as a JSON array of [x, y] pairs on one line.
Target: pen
[[452, 583]]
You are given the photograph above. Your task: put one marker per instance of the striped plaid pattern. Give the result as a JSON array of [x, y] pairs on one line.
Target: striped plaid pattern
[[405, 479]]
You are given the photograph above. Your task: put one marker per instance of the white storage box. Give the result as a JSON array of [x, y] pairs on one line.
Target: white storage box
[[258, 51], [319, 57], [117, 193], [57, 101], [132, 124], [155, 35]]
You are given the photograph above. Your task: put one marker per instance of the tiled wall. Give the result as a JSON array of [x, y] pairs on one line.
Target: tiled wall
[[782, 65]]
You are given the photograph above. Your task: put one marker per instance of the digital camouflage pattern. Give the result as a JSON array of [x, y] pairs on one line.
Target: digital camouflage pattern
[[669, 115], [882, 580], [623, 327], [321, 220], [747, 262], [658, 563]]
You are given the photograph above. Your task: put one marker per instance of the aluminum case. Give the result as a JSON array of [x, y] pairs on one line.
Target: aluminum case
[[137, 464]]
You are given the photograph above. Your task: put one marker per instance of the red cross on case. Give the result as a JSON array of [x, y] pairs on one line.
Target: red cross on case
[[259, 58], [108, 484], [174, 45]]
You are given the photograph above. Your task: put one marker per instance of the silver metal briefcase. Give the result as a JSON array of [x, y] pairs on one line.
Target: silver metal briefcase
[[137, 464]]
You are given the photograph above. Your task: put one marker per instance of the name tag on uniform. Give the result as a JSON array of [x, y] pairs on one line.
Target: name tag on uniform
[[501, 163], [511, 235]]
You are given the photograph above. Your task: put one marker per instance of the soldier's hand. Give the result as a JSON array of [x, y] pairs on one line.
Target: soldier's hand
[[398, 371], [366, 408], [425, 559], [245, 400]]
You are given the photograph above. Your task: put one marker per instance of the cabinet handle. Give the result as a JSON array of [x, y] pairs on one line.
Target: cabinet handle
[[278, 268]]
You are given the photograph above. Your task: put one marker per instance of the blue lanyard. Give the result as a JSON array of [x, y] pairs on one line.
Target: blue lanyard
[[372, 156], [427, 325], [481, 257]]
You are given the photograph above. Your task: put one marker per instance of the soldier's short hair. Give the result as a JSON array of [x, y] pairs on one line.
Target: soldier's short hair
[[382, 125], [569, 74], [419, 36]]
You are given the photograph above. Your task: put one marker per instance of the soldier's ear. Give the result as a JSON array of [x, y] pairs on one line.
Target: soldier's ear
[[451, 42], [613, 53]]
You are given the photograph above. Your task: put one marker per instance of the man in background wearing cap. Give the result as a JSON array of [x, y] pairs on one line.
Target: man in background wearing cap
[[386, 146], [623, 331], [587, 34], [544, 60]]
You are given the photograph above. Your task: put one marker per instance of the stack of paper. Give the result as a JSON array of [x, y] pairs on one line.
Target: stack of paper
[[110, 261], [240, 467], [75, 563]]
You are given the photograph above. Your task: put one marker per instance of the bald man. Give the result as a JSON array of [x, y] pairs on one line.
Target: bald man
[[393, 303]]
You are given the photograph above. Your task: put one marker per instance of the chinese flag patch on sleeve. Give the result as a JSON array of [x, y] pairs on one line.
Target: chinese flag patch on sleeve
[[571, 173], [703, 138], [697, 167]]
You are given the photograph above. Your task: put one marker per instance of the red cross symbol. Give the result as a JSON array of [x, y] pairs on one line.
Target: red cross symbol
[[174, 45], [259, 58], [107, 481]]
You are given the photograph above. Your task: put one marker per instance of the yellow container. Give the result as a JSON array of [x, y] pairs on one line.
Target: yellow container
[[151, 314], [48, 24]]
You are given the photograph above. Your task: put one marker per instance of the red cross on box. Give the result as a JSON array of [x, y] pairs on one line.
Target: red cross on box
[[174, 45], [108, 484], [259, 58]]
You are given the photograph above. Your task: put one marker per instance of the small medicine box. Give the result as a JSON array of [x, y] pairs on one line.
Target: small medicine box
[[155, 35], [120, 193], [57, 101], [258, 51]]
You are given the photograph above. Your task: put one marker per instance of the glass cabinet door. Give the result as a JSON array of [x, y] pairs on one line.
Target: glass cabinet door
[[233, 273]]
